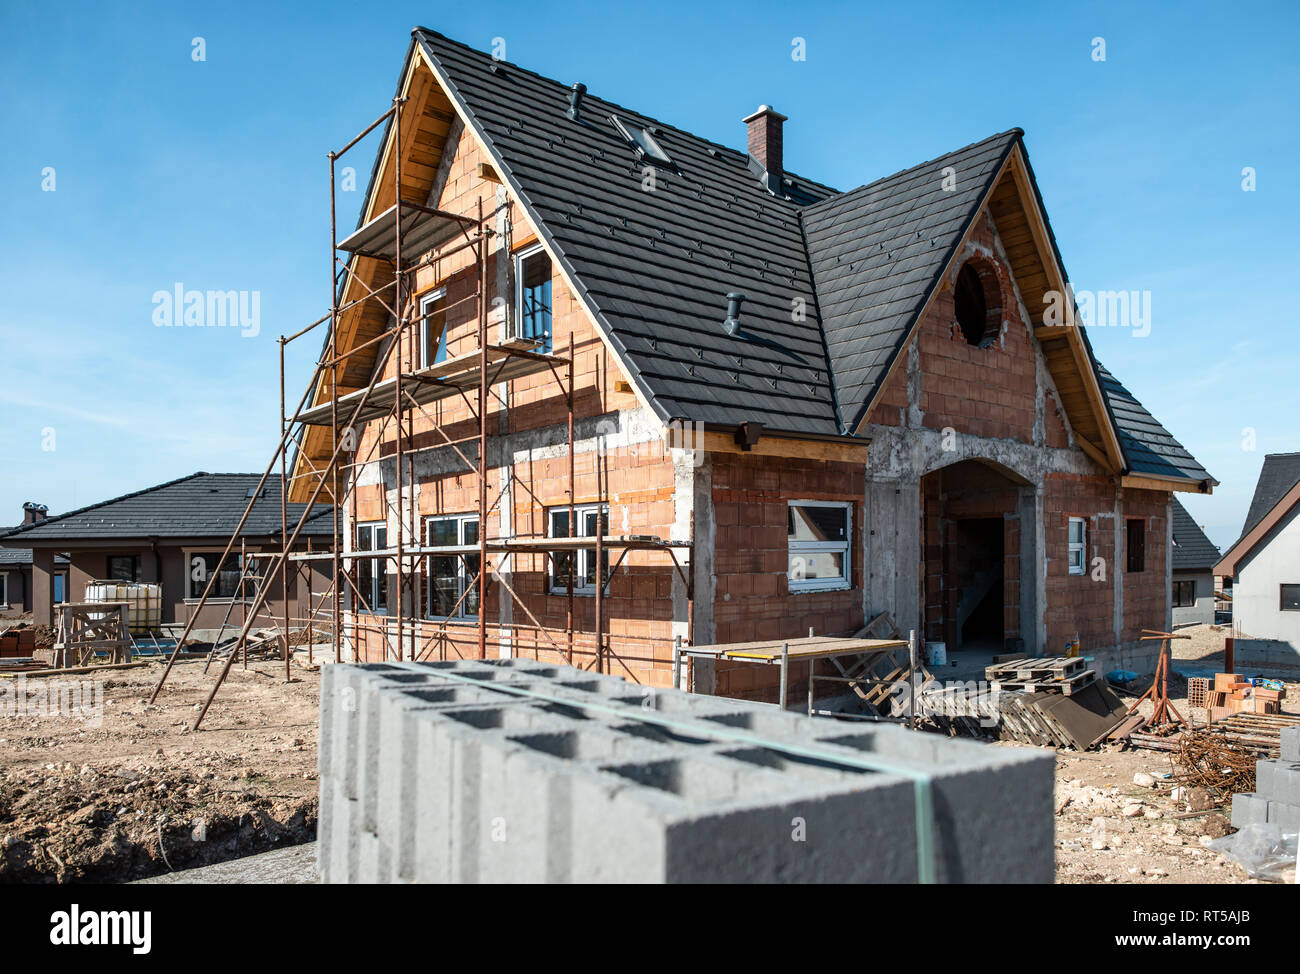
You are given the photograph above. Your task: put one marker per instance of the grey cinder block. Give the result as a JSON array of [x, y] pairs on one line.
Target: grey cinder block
[[425, 778], [1248, 809], [1291, 744]]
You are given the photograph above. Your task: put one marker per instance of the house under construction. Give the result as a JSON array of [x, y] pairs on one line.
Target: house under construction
[[591, 385]]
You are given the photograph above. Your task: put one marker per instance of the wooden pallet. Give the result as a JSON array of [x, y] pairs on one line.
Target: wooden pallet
[[1067, 686], [1043, 668]]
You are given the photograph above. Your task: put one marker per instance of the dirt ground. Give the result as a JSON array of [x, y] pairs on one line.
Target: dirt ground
[[139, 794], [1097, 841]]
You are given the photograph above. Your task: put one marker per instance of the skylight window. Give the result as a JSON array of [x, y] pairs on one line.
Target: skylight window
[[642, 141]]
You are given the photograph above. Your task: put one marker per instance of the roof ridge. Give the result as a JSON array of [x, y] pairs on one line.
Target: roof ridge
[[90, 507], [741, 154], [850, 193]]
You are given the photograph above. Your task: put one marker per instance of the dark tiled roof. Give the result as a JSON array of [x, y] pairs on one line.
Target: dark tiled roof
[[13, 557], [1149, 448], [657, 265], [1192, 549], [877, 253], [1281, 472], [200, 505]]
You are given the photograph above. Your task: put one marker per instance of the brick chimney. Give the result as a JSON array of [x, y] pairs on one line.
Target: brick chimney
[[765, 145], [33, 512]]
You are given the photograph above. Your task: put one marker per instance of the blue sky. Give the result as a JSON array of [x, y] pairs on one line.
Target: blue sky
[[213, 174]]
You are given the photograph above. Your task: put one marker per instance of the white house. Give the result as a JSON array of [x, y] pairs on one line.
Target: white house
[[1264, 564]]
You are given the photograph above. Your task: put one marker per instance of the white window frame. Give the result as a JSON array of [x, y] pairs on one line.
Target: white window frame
[[547, 344], [1079, 547], [462, 569], [583, 557], [427, 359], [383, 563], [4, 589], [825, 584]]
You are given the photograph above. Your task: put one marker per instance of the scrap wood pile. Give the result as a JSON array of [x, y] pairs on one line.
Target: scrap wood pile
[[1050, 701]]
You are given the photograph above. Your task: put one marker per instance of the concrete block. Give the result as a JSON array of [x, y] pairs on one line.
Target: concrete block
[[1264, 778], [1291, 744], [1247, 809], [427, 779], [1285, 815]]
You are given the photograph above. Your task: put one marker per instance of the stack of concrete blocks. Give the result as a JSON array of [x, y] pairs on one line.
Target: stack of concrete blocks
[[1276, 799], [426, 779]]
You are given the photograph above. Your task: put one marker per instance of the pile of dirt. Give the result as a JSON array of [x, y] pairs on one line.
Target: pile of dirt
[[117, 823]]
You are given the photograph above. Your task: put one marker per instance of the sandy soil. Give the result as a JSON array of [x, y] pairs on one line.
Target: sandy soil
[[140, 794], [1151, 845]]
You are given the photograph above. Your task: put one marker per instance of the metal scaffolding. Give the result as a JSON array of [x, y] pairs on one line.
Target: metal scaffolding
[[389, 406]]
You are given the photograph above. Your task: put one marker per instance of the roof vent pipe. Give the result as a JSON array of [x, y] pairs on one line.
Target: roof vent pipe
[[732, 324], [575, 101]]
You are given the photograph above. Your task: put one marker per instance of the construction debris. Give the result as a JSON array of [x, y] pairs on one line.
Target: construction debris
[[1207, 760], [1235, 694], [1046, 701]]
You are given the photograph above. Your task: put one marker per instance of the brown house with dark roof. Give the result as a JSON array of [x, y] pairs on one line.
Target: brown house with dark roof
[[849, 402], [172, 534]]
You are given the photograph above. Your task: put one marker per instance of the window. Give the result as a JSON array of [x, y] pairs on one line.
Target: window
[[202, 566], [642, 141], [1078, 541], [817, 536], [372, 573], [1137, 545], [588, 520], [533, 296], [60, 587], [976, 306], [123, 568], [1289, 597], [433, 328], [1184, 593], [4, 589], [452, 588]]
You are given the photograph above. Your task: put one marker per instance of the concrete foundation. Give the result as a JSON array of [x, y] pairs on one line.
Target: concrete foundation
[[428, 779]]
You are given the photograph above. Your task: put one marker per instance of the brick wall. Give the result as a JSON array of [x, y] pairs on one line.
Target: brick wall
[[988, 392], [753, 601]]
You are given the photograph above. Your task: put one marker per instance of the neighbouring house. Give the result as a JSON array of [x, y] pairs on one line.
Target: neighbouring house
[[1263, 565], [16, 571], [1193, 556], [848, 402], [172, 534]]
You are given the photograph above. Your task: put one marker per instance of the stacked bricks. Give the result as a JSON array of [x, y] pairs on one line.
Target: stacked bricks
[[427, 778], [1276, 799]]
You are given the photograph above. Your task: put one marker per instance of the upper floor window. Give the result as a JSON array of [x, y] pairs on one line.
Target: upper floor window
[[976, 305], [817, 538], [433, 328], [533, 297], [642, 141]]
